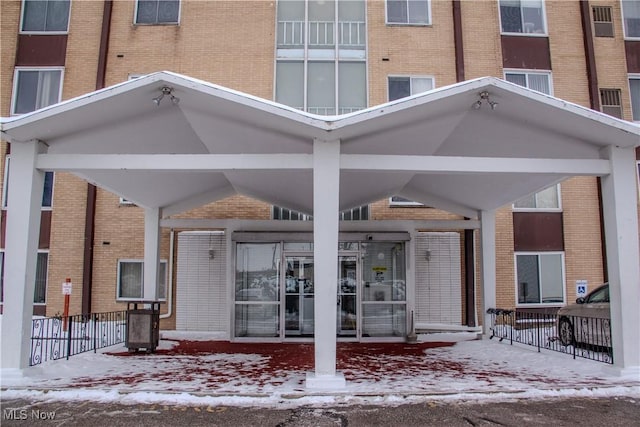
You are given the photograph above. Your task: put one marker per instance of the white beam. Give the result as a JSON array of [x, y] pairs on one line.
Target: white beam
[[326, 182], [151, 253], [619, 197], [173, 162], [197, 201], [454, 164], [488, 259], [22, 236]]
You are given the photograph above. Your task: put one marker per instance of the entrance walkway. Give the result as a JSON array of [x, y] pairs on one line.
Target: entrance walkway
[[268, 374]]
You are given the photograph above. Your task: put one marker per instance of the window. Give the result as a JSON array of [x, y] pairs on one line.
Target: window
[[131, 279], [548, 199], [47, 192], [401, 87], [321, 56], [413, 12], [35, 89], [356, 214], [540, 278], [610, 101], [634, 89], [631, 17], [157, 12], [540, 82], [602, 21], [522, 17], [42, 269], [1, 276], [401, 201], [45, 15]]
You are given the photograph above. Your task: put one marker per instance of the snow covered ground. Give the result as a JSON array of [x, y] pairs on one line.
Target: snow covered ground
[[479, 370]]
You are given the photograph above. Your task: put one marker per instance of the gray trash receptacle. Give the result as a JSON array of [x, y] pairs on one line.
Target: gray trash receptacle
[[143, 326]]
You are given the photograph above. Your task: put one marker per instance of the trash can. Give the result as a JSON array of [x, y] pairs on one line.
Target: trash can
[[143, 326]]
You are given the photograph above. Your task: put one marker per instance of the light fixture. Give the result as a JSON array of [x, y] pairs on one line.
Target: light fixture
[[427, 255], [166, 91], [484, 95], [212, 253]]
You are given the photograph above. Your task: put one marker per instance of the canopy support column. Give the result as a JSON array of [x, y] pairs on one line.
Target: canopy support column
[[619, 196], [25, 186], [151, 253], [326, 182], [488, 256]]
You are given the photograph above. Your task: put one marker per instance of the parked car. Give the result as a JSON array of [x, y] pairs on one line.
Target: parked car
[[588, 321]]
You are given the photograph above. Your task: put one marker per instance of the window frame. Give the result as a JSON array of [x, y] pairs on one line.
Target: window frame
[[633, 76], [14, 90], [57, 32], [545, 33], [535, 209], [429, 22], [46, 280], [624, 25], [563, 274], [135, 16], [411, 77], [528, 72], [139, 261]]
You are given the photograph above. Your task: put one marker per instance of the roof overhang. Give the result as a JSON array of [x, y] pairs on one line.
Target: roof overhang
[[435, 148]]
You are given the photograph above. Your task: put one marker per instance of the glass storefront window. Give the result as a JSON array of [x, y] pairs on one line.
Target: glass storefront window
[[257, 272], [257, 320]]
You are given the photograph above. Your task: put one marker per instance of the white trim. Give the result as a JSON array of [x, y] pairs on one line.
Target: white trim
[[563, 273], [545, 32], [44, 32], [534, 209], [429, 22], [135, 17], [14, 89], [527, 72], [139, 261]]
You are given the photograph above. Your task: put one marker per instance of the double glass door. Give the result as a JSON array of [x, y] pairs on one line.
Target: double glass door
[[298, 296]]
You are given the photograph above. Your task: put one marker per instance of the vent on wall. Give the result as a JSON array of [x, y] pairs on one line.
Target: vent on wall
[[602, 22], [610, 101]]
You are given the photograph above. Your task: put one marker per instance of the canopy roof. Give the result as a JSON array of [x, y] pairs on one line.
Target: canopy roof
[[435, 147]]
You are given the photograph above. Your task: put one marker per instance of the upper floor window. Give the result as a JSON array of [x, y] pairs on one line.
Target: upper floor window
[[401, 201], [522, 16], [412, 12], [400, 87], [602, 21], [634, 89], [35, 88], [47, 193], [631, 17], [547, 199], [356, 214], [611, 102], [540, 82], [157, 12], [45, 15]]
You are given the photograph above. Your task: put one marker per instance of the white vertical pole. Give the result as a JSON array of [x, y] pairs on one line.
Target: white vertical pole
[[619, 197], [326, 184], [151, 253], [24, 201], [488, 257]]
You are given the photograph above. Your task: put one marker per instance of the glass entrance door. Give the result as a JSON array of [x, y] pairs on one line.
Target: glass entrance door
[[299, 296], [347, 323]]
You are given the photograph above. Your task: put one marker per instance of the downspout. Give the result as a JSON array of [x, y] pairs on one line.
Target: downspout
[[170, 290], [469, 256], [594, 98], [90, 212]]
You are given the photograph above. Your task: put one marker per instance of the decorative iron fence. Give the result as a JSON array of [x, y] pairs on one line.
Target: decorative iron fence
[[586, 337], [55, 338]]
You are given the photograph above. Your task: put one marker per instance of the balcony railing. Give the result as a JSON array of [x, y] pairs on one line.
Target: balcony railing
[[350, 34]]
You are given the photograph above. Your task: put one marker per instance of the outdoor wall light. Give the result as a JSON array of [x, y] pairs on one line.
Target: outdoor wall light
[[484, 95], [166, 91], [212, 253], [427, 255]]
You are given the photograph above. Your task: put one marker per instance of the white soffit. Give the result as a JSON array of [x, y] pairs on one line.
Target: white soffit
[[212, 120]]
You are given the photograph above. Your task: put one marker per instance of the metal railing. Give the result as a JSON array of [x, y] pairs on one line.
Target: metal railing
[[55, 338], [585, 337], [351, 34]]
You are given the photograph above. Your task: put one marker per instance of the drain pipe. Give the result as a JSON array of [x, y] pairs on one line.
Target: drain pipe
[[170, 290]]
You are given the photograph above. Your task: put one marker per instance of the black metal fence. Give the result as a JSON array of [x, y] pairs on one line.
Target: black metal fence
[[60, 337], [586, 337]]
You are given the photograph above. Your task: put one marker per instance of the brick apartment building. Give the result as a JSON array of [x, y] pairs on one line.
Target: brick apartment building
[[243, 266]]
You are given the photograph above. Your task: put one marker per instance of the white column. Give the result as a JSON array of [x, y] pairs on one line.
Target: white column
[[619, 199], [24, 201], [326, 182], [151, 253], [488, 257]]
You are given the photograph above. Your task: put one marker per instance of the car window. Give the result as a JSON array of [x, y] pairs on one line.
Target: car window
[[600, 295]]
